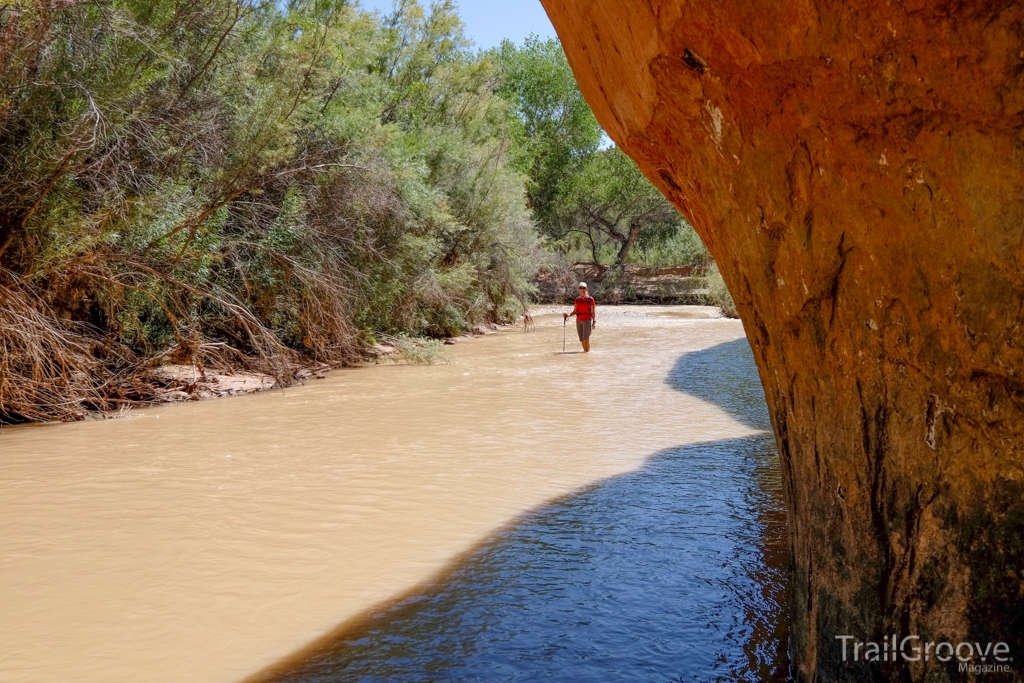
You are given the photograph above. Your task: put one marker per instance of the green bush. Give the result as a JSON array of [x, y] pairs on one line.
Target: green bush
[[253, 179], [684, 248], [271, 176], [719, 293]]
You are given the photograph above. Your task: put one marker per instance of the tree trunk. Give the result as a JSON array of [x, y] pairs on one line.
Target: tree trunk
[[627, 244], [857, 171]]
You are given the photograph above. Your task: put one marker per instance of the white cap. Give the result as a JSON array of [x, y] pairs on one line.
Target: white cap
[[583, 285]]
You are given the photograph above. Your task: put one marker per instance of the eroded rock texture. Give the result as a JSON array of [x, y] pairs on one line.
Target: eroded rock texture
[[857, 170]]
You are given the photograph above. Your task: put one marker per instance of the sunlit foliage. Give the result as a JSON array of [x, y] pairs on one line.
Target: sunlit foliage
[[589, 199], [207, 181]]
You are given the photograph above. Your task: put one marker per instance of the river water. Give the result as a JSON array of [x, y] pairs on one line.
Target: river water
[[515, 514]]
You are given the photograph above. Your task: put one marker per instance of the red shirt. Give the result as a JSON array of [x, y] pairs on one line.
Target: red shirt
[[584, 307]]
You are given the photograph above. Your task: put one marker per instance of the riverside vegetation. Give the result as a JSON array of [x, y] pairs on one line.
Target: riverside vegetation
[[263, 185]]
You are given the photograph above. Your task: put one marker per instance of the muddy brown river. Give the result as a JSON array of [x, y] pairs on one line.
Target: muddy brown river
[[230, 539]]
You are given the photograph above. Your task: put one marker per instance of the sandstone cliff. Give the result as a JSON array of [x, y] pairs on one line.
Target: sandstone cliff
[[857, 170]]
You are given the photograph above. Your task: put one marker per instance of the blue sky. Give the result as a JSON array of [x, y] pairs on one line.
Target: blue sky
[[490, 21]]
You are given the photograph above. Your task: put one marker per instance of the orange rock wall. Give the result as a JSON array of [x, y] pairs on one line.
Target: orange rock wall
[[857, 170]]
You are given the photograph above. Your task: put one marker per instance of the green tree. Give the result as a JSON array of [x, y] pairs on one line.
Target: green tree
[[553, 131], [582, 195], [611, 203]]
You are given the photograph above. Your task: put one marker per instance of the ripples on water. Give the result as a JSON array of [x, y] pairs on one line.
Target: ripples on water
[[672, 573]]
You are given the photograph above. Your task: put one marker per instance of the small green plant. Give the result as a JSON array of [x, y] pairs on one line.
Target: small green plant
[[422, 351], [719, 293]]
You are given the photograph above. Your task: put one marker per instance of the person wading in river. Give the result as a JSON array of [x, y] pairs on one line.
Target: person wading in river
[[585, 310]]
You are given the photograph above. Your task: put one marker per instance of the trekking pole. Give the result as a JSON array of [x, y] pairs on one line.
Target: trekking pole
[[563, 333]]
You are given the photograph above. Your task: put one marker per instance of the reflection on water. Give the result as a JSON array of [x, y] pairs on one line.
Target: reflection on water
[[671, 573]]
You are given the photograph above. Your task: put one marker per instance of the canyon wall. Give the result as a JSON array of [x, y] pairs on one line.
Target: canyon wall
[[857, 170]]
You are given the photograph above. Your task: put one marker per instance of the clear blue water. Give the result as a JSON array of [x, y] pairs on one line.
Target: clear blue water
[[673, 573]]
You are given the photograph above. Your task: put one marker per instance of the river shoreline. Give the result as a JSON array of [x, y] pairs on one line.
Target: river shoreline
[[178, 383], [172, 383]]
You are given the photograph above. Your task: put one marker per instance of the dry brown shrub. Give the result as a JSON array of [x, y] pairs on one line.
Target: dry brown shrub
[[53, 369]]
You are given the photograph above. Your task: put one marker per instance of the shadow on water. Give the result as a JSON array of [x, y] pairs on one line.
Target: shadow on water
[[726, 376], [675, 572]]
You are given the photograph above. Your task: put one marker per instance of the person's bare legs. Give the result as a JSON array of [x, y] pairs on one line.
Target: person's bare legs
[[586, 346]]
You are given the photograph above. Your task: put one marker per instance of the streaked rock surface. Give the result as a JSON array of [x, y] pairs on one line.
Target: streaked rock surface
[[856, 170]]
